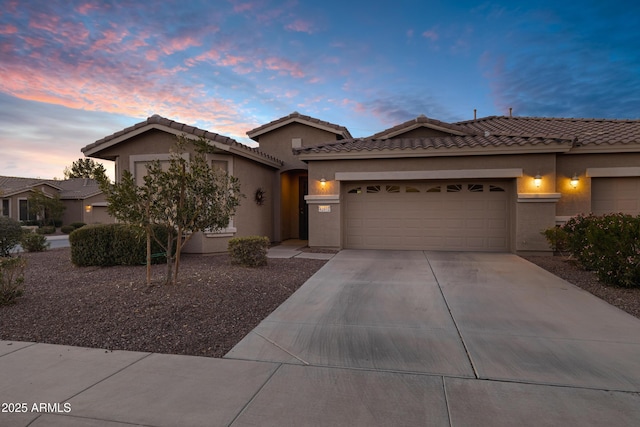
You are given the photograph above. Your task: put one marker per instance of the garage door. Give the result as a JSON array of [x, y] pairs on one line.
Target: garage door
[[468, 216], [615, 195]]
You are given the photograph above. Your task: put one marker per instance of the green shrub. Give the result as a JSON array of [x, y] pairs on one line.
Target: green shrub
[[92, 245], [32, 242], [608, 245], [66, 229], [10, 235], [11, 279], [249, 251], [46, 230], [77, 224], [114, 244], [57, 223]]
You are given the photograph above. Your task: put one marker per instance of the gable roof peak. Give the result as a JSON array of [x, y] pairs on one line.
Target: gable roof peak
[[295, 117]]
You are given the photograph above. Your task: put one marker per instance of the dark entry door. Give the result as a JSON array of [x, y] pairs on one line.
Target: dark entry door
[[303, 208]]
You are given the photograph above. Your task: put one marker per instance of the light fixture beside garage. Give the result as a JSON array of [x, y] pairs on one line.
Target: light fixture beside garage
[[323, 181], [575, 180], [537, 180]]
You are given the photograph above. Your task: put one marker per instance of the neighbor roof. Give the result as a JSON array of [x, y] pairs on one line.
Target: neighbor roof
[[159, 122], [296, 117], [74, 188]]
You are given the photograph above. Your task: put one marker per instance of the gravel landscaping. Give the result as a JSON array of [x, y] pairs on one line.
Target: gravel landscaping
[[213, 308], [215, 305]]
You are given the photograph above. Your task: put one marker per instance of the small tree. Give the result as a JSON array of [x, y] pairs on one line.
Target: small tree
[[186, 197], [10, 235], [49, 209], [86, 168]]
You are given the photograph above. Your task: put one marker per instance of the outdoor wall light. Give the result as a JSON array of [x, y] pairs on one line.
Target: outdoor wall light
[[87, 208], [575, 180], [537, 180], [323, 181]]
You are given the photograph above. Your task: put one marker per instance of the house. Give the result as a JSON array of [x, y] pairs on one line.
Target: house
[[82, 198], [488, 184]]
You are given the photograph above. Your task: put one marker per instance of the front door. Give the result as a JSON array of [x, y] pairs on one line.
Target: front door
[[303, 208]]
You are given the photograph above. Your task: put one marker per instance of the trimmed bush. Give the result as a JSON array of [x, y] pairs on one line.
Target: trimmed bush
[[77, 224], [66, 229], [32, 242], [249, 251], [114, 244], [608, 245], [46, 230], [10, 235], [11, 279]]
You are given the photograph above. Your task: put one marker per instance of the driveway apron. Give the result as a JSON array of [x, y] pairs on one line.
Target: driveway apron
[[444, 338]]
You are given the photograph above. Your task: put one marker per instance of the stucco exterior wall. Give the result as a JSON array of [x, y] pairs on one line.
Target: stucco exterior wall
[[528, 218], [578, 200], [278, 143]]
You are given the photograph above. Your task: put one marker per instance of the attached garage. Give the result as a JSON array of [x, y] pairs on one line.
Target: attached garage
[[427, 215], [620, 194]]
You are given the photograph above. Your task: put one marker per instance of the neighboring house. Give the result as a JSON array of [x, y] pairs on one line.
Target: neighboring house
[[82, 198], [491, 184]]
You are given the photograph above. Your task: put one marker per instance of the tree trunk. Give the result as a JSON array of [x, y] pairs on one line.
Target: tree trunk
[[169, 278], [148, 256]]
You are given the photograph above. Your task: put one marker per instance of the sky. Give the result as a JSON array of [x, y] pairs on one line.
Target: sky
[[75, 71]]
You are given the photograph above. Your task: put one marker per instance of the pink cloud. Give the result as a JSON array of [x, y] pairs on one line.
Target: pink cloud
[[8, 29], [180, 44], [284, 66], [300, 26]]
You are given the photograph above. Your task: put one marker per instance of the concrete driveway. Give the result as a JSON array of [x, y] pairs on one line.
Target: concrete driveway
[[452, 338], [374, 338]]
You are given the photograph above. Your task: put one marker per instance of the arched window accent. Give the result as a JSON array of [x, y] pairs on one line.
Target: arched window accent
[[373, 188], [410, 189], [356, 190], [495, 188], [393, 188], [475, 188], [454, 188], [436, 189]]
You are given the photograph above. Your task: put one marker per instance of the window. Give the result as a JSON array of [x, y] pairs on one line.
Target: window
[[475, 188], [410, 189], [495, 188], [454, 188], [5, 207], [436, 189], [356, 190], [23, 208]]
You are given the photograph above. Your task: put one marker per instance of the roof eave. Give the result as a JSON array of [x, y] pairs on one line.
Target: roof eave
[[430, 152]]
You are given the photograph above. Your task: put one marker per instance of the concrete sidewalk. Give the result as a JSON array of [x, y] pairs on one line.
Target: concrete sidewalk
[[374, 338]]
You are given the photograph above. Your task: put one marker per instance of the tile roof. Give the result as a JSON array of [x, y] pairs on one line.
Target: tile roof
[[341, 131], [585, 131], [495, 131], [74, 188], [421, 120], [454, 141], [187, 129]]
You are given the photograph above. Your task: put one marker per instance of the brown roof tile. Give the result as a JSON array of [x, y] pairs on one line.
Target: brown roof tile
[[341, 131], [585, 131], [467, 141]]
